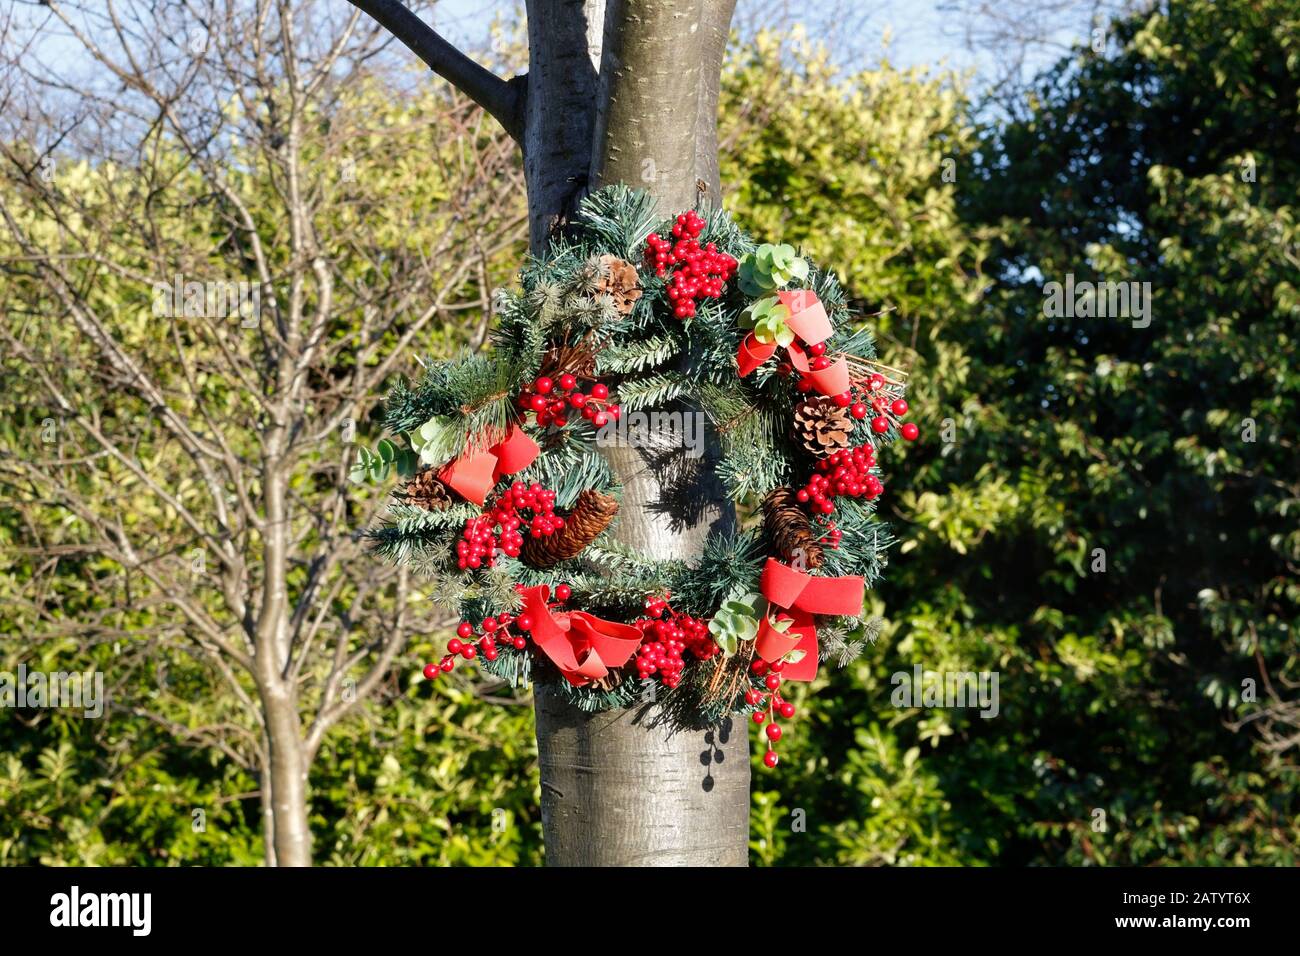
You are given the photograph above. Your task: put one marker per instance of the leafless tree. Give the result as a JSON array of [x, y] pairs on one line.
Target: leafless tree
[[1018, 37], [254, 152]]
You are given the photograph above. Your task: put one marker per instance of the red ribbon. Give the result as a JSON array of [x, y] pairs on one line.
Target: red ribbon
[[803, 596], [473, 474], [809, 321], [584, 647]]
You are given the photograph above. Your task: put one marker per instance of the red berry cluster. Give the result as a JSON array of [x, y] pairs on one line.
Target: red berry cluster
[[477, 545], [498, 529], [869, 396], [697, 271], [502, 629], [552, 400], [832, 536], [768, 706], [668, 637], [848, 473]]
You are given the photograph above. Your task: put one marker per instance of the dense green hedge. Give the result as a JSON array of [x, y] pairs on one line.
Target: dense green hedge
[[1165, 454]]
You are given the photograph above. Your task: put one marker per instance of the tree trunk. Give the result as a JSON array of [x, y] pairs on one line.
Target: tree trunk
[[635, 101], [287, 826], [619, 789]]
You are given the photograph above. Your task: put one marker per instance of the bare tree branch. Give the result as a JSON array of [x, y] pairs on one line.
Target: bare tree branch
[[501, 98]]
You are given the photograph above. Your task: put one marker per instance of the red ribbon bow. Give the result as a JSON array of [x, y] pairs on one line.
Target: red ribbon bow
[[584, 647], [803, 596], [809, 321], [474, 473]]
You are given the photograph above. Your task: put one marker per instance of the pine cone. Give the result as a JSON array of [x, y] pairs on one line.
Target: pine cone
[[790, 530], [611, 680], [822, 426], [577, 360], [618, 280], [591, 515], [426, 491]]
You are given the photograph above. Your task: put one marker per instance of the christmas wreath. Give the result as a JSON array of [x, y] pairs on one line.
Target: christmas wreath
[[507, 501]]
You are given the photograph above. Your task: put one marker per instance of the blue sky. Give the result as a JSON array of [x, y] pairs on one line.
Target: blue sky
[[909, 32], [859, 34]]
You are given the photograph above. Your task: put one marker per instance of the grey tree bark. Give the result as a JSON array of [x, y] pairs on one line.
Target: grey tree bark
[[623, 91], [628, 788]]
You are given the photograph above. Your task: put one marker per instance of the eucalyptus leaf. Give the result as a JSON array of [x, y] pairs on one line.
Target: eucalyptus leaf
[[407, 463], [782, 625], [753, 281], [771, 324], [431, 440], [431, 430], [736, 621]]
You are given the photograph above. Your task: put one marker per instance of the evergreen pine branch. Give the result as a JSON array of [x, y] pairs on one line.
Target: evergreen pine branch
[[826, 285], [752, 461], [843, 645], [730, 564], [618, 219], [420, 539], [470, 394], [516, 336], [747, 476], [658, 388], [618, 560], [864, 541], [858, 341], [714, 338], [637, 355], [591, 699], [498, 586], [444, 589], [569, 466], [872, 627], [724, 232], [513, 666]]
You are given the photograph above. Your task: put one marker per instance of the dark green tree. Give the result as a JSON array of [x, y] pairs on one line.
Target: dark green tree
[[1132, 559]]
